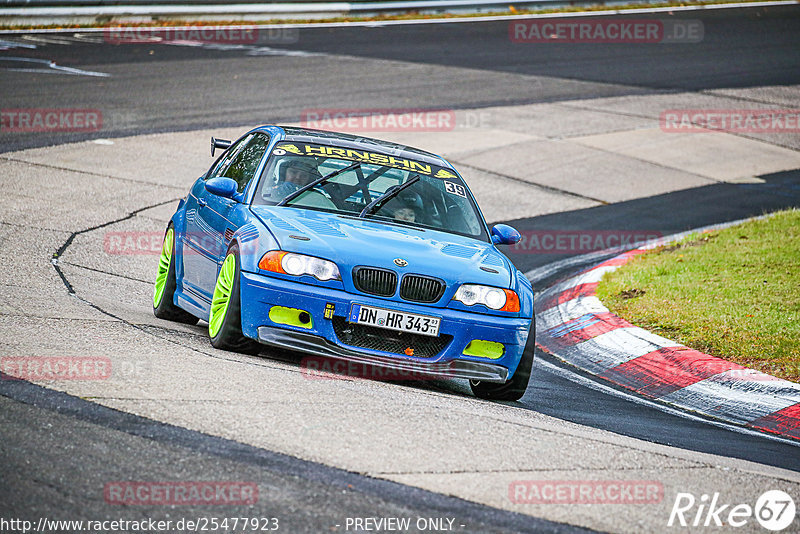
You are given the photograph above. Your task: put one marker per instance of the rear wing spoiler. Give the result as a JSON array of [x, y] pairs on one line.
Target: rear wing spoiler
[[219, 143]]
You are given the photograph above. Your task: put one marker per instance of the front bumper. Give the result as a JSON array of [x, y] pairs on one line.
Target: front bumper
[[317, 345], [259, 293]]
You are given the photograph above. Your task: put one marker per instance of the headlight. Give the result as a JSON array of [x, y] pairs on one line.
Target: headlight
[[491, 297], [279, 261]]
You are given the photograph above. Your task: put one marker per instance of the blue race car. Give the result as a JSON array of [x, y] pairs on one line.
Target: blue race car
[[350, 248]]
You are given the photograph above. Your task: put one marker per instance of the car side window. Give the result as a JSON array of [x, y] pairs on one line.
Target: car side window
[[245, 159]]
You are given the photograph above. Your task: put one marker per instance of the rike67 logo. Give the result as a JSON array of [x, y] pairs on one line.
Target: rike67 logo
[[774, 510]]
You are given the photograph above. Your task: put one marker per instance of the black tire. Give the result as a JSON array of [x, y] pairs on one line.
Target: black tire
[[166, 309], [230, 336], [514, 388]]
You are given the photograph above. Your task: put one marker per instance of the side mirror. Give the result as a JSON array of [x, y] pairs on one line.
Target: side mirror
[[219, 143], [223, 187], [503, 234]]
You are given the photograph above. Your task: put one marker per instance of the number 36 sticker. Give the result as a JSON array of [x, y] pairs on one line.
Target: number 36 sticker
[[455, 189]]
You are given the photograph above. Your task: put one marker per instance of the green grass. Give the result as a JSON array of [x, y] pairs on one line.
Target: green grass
[[734, 293], [412, 15]]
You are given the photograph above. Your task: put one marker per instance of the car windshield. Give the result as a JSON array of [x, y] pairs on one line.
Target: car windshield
[[438, 199]]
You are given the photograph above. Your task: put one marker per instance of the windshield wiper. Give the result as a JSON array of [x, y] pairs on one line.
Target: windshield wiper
[[369, 208], [315, 183]]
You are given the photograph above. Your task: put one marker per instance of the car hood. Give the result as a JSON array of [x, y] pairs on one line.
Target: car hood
[[350, 241]]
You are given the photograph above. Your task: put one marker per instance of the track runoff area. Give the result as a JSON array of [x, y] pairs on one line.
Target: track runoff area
[[355, 442]]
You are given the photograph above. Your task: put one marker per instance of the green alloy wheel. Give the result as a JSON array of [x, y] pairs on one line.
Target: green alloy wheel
[[222, 295], [225, 318], [165, 285], [514, 388]]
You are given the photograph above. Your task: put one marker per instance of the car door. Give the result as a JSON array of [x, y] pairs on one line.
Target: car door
[[210, 225]]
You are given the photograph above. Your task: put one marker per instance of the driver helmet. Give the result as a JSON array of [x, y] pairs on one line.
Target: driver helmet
[[305, 165]]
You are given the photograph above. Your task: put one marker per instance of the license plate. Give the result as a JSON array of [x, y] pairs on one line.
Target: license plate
[[395, 320]]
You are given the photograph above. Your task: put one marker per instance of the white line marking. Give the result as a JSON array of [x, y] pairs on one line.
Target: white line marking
[[545, 271], [51, 67], [730, 395], [8, 45], [250, 50], [84, 38], [597, 386], [47, 40], [79, 72], [589, 277], [572, 309], [614, 348]]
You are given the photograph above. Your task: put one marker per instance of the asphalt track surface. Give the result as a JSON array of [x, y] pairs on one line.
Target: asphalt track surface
[[465, 66], [169, 88]]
